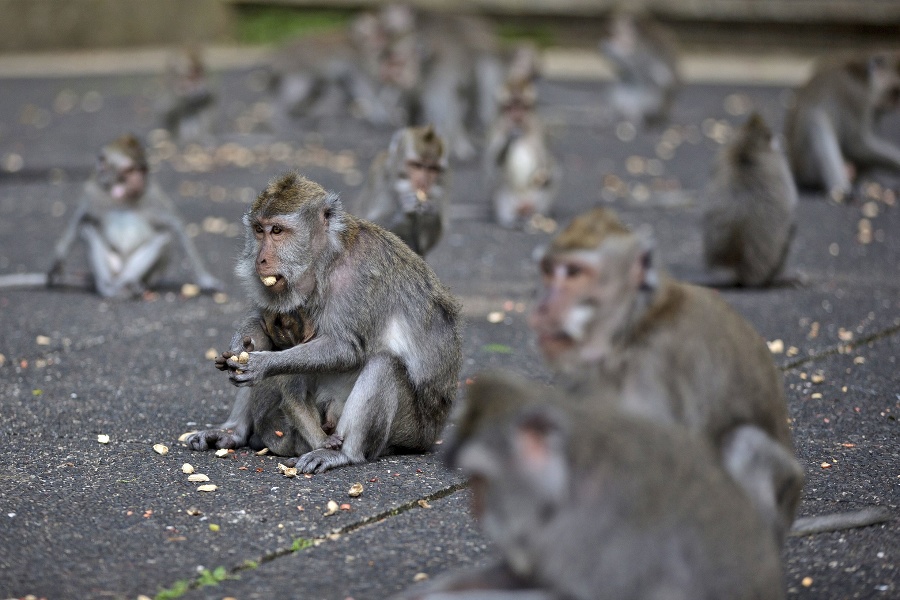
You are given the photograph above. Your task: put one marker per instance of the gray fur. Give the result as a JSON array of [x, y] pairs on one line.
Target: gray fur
[[834, 118], [128, 242], [752, 200], [385, 355], [588, 503]]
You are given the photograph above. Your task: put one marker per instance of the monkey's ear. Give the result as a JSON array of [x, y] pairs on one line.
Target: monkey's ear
[[331, 209], [643, 272], [539, 252]]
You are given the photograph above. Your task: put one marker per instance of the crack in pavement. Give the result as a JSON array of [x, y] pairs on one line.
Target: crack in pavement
[[842, 348]]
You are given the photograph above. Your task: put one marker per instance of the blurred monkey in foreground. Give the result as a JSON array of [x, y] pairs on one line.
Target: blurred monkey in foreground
[[749, 222], [189, 103], [407, 191], [833, 122], [645, 58], [520, 171], [586, 502], [608, 320], [128, 224]]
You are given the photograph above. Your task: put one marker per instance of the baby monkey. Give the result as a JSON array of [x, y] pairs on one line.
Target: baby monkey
[[752, 199], [406, 191], [128, 223]]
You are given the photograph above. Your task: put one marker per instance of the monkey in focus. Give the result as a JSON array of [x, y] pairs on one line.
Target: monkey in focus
[[521, 172], [406, 192], [752, 199], [644, 56], [584, 502], [611, 323], [190, 102], [367, 343], [833, 121], [127, 223]]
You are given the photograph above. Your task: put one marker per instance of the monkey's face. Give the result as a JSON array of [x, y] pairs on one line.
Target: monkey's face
[[584, 297], [120, 177]]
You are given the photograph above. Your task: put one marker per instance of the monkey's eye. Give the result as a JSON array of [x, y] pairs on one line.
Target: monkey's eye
[[414, 164], [258, 228], [573, 270], [435, 168], [276, 229]]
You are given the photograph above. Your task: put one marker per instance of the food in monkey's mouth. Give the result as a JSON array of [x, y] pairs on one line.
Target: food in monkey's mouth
[[269, 281]]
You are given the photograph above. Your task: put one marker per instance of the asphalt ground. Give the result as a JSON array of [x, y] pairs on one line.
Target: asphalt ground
[[81, 519]]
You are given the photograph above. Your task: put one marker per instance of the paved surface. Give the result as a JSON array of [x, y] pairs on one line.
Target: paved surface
[[80, 519]]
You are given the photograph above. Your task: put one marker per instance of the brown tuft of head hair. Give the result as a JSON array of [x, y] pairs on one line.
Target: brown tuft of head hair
[[588, 231], [285, 195], [131, 147], [428, 144]]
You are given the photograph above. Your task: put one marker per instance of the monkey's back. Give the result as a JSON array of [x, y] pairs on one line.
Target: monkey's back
[[660, 517], [703, 361]]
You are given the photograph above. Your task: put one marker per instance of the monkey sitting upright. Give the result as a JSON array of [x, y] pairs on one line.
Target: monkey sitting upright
[[833, 121], [371, 347], [406, 192], [127, 222], [189, 104], [519, 169], [614, 326], [752, 199], [584, 501], [645, 58]]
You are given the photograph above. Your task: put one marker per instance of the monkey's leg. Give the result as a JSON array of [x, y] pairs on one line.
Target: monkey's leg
[[493, 581], [827, 155], [143, 261], [105, 262], [876, 152], [234, 432], [368, 416], [769, 474]]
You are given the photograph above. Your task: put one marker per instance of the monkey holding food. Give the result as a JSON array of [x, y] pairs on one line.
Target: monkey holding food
[[379, 346]]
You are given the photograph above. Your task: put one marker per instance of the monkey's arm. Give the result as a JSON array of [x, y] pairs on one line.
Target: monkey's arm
[[82, 212], [167, 217], [321, 354]]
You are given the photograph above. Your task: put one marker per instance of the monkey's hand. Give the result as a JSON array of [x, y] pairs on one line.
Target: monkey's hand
[[213, 439], [54, 275], [248, 368]]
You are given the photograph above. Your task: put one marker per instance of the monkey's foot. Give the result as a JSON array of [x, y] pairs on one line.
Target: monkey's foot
[[319, 461], [333, 442], [213, 439]]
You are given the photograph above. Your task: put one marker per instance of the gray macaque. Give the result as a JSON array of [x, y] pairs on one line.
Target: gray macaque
[[519, 169], [189, 103], [611, 323], [751, 203], [127, 223], [366, 342], [407, 191], [586, 502], [644, 56], [834, 118]]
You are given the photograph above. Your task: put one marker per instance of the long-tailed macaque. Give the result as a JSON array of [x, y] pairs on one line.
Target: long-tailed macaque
[[407, 192], [189, 103], [645, 57], [350, 330], [127, 223], [609, 320], [586, 502], [520, 171], [833, 121], [749, 221]]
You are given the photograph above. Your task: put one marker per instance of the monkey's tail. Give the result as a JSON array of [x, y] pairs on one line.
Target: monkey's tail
[[41, 280], [838, 521]]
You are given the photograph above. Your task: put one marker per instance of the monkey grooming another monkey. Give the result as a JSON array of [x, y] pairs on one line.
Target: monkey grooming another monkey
[[128, 223], [518, 166], [585, 501], [379, 347], [834, 118], [608, 320], [645, 58], [406, 191], [752, 199]]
